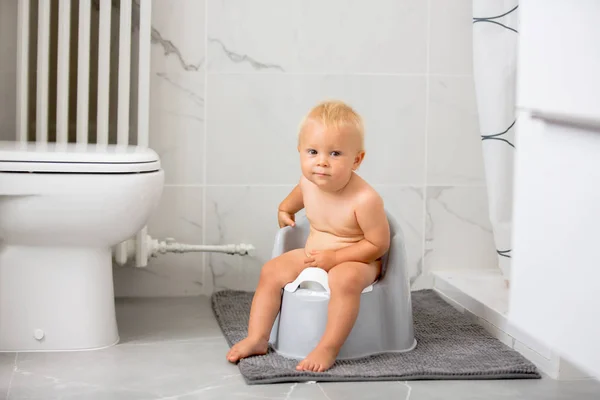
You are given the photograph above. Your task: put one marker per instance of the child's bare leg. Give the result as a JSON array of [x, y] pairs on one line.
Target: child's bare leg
[[346, 281], [274, 275]]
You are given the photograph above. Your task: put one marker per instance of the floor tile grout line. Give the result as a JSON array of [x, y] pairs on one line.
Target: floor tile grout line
[[12, 375], [323, 390], [167, 341], [405, 383]]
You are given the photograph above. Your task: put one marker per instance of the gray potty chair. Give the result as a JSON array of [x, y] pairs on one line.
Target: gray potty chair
[[384, 323]]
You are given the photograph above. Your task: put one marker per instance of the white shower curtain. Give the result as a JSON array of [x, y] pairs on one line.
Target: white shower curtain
[[495, 38]]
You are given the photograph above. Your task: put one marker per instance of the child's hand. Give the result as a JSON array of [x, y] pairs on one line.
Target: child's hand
[[285, 219], [321, 259]]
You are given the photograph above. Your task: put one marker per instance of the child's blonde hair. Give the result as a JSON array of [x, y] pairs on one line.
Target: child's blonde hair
[[338, 115]]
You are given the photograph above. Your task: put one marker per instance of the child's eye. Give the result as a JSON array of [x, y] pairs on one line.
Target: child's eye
[[312, 152], [336, 153]]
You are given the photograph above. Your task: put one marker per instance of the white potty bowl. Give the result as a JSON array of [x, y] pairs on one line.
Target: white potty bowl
[[62, 208]]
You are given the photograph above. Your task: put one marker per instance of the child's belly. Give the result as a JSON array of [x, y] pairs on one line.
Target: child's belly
[[319, 240]]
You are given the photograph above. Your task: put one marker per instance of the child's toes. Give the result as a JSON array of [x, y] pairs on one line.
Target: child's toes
[[233, 355], [301, 365]]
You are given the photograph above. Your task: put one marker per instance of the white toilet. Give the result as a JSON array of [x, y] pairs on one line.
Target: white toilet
[[62, 209]]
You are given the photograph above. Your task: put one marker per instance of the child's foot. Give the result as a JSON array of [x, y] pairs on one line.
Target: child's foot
[[247, 347], [319, 360]]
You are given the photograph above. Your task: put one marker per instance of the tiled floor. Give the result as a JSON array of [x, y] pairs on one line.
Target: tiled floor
[[173, 349]]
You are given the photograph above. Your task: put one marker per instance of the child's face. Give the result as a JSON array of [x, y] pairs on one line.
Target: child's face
[[328, 156]]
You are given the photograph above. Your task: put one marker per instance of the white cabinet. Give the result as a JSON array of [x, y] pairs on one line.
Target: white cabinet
[[559, 57], [555, 288]]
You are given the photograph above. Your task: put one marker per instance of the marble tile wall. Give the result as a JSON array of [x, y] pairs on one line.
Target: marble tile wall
[[231, 80]]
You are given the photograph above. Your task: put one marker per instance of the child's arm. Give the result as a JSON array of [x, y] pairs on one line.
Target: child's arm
[[371, 218], [290, 206]]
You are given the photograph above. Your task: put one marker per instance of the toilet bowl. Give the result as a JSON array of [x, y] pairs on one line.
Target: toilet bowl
[[62, 209]]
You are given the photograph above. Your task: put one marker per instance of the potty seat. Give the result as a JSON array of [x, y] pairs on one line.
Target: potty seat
[[384, 323]]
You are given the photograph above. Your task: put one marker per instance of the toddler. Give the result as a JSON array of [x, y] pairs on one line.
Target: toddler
[[349, 233]]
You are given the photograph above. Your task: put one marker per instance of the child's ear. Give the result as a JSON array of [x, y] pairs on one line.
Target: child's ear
[[358, 160]]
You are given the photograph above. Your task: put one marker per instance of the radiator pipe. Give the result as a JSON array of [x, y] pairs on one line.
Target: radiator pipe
[[154, 247]]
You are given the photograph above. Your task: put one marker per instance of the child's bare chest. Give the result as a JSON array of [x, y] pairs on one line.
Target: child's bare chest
[[330, 213]]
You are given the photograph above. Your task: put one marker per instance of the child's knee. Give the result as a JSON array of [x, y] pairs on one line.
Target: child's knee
[[346, 280], [274, 273], [269, 272]]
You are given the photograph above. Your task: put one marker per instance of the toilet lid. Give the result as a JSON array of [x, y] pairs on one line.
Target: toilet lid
[[76, 158]]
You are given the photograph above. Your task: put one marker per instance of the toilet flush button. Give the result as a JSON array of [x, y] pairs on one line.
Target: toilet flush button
[[38, 334]]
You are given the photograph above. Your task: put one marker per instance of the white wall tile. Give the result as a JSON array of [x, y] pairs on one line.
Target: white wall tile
[[241, 214], [252, 123], [268, 63], [451, 33], [179, 215], [454, 152], [458, 232], [248, 36], [314, 36], [177, 125], [178, 35]]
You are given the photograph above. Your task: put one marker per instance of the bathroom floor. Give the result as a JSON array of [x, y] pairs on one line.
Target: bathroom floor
[[174, 349]]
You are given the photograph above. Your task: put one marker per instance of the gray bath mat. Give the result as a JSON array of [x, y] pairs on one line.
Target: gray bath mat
[[449, 346]]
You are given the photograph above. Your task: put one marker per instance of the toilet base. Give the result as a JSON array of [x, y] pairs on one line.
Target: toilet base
[[56, 299]]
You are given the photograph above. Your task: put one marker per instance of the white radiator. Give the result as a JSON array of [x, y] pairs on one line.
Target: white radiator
[[54, 20]]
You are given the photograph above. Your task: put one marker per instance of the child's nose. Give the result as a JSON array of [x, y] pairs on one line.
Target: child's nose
[[322, 162]]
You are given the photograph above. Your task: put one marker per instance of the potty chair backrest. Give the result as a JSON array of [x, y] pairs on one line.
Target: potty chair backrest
[[291, 238], [394, 260]]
